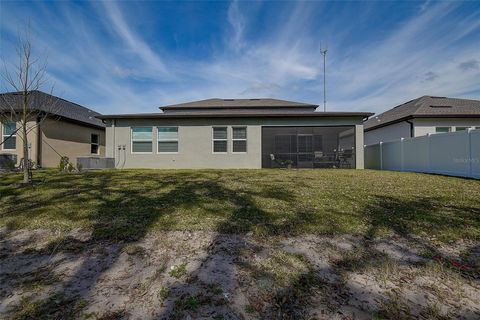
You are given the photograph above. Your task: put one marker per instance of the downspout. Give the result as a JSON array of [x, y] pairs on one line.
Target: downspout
[[411, 128], [114, 122], [39, 143]]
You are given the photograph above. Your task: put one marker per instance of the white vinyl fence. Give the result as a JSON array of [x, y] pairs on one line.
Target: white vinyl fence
[[454, 153]]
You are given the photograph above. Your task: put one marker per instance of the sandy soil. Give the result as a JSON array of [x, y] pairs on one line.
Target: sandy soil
[[206, 275]]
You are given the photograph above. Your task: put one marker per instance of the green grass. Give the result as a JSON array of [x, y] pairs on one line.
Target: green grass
[[179, 271], [127, 204], [56, 306]]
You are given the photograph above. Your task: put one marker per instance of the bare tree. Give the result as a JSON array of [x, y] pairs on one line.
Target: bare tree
[[26, 106]]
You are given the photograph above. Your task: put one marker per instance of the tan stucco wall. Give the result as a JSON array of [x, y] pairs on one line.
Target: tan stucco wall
[[195, 141], [31, 138], [68, 139]]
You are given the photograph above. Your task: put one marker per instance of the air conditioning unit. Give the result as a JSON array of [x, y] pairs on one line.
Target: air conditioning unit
[[92, 163], [7, 161]]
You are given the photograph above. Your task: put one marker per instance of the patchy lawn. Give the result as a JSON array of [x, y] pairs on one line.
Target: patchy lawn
[[233, 244], [127, 204]]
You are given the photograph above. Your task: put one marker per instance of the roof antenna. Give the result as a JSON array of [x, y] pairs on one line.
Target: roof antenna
[[323, 51]]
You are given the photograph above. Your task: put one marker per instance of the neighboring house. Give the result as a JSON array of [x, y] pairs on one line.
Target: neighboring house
[[236, 133], [424, 115], [67, 129]]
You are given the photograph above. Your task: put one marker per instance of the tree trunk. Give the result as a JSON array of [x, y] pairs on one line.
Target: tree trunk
[[26, 167]]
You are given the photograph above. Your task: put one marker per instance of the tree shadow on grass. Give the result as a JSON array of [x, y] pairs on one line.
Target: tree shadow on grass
[[330, 286], [120, 219], [433, 219], [421, 214], [123, 216], [245, 218], [338, 295]]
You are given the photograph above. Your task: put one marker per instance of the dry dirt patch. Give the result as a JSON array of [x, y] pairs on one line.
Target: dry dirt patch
[[208, 275]]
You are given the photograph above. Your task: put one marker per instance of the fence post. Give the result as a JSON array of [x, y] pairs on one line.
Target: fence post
[[428, 154], [365, 156], [381, 155], [401, 155], [469, 153]]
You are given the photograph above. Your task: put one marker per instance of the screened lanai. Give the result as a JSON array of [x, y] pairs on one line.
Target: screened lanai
[[308, 147]]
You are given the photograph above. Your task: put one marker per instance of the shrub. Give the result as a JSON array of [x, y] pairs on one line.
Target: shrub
[[65, 165]]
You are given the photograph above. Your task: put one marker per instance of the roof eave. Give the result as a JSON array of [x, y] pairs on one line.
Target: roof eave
[[238, 107], [253, 115], [69, 119], [422, 116]]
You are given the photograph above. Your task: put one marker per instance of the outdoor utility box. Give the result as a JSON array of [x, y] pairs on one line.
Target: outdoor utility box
[[7, 161], [92, 163]]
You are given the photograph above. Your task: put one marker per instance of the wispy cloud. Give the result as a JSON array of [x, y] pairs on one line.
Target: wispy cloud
[[416, 59], [472, 64], [134, 43], [236, 20], [115, 57], [430, 76]]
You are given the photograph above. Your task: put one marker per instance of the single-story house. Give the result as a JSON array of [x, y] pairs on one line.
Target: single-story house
[[422, 116], [236, 133], [66, 129]]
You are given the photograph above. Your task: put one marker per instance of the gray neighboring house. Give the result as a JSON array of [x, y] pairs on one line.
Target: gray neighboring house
[[422, 116], [236, 133]]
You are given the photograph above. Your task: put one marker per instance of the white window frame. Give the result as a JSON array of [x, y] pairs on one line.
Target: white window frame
[[12, 136], [466, 128], [95, 144], [213, 140], [140, 140], [168, 140], [246, 139]]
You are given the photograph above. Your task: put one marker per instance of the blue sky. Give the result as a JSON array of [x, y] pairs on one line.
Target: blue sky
[[121, 57]]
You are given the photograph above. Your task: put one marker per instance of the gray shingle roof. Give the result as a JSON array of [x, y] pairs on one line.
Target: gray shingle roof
[[238, 108], [235, 114], [426, 107], [216, 103], [41, 101]]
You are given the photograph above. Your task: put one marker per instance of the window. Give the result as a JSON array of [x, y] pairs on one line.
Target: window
[[239, 139], [220, 139], [94, 145], [461, 128], [442, 129], [142, 140], [167, 139], [477, 128], [9, 136]]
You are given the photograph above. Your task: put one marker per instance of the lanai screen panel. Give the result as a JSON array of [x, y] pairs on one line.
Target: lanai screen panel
[[308, 147]]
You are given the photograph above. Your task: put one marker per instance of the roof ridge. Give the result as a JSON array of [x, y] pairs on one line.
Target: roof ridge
[[52, 95], [60, 98], [421, 102], [238, 103], [42, 101]]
